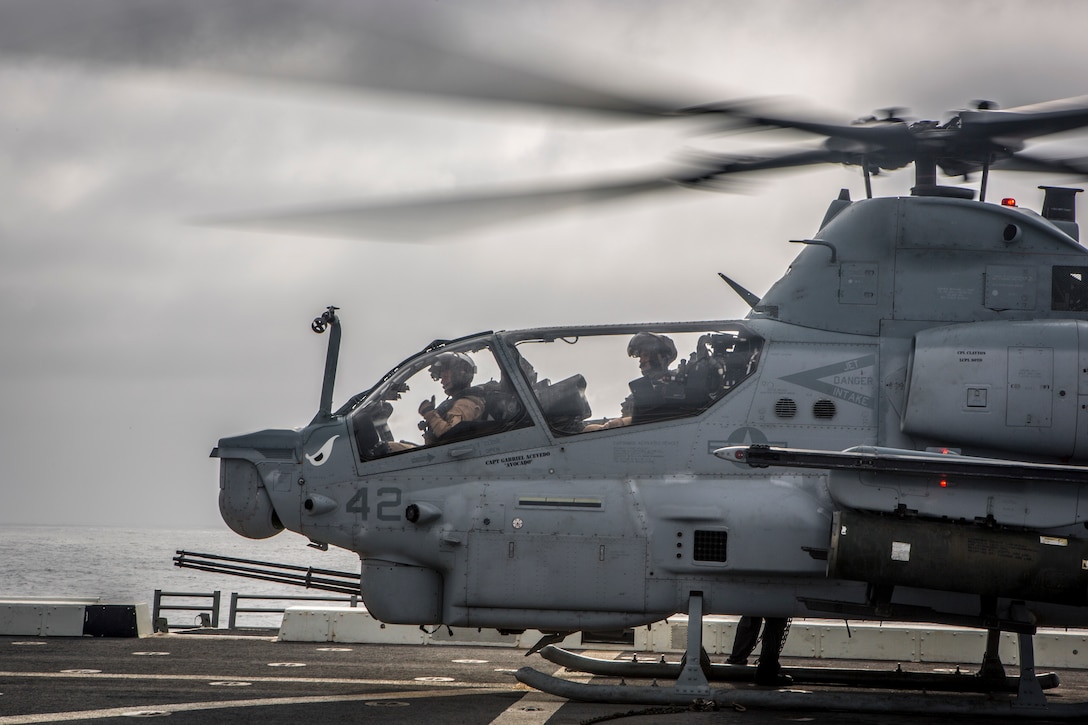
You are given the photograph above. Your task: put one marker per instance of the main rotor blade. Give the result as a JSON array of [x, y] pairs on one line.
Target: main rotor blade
[[398, 46], [723, 165], [424, 219], [879, 134], [772, 113], [1026, 162], [1027, 122]]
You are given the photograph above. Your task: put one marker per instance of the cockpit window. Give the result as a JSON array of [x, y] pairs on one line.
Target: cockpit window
[[446, 396], [600, 382]]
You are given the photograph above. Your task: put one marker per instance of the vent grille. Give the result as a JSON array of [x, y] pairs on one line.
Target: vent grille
[[823, 409], [785, 408], [710, 545]]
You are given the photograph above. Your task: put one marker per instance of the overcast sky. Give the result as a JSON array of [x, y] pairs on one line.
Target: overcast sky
[[134, 337]]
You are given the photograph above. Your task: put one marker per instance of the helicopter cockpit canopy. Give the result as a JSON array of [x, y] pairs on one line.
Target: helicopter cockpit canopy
[[626, 377], [453, 392], [580, 380]]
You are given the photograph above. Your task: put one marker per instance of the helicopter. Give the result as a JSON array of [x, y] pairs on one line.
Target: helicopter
[[895, 431]]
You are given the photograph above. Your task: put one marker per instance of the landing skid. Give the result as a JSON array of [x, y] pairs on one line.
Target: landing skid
[[804, 701], [692, 685], [869, 679]]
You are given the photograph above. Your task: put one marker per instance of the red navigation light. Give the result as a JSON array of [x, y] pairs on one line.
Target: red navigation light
[[944, 483], [1008, 201]]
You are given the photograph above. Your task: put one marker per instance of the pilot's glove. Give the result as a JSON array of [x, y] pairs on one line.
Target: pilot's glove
[[426, 407]]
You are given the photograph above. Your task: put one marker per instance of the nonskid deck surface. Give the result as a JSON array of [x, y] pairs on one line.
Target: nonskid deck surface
[[217, 679]]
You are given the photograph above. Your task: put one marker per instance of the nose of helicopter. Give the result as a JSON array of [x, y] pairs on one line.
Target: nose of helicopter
[[249, 468]]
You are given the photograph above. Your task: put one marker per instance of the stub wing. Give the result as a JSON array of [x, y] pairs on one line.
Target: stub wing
[[898, 460], [936, 484]]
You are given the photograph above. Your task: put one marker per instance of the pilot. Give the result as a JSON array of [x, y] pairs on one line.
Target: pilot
[[768, 669], [659, 392], [455, 371]]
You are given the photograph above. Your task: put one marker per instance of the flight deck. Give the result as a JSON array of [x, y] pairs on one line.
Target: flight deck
[[199, 677]]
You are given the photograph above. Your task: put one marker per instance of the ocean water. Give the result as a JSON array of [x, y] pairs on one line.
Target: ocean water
[[123, 566]]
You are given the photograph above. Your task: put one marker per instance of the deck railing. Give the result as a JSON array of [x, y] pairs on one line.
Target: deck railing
[[205, 607]]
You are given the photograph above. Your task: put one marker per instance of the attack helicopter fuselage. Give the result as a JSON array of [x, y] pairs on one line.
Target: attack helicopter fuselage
[[907, 325]]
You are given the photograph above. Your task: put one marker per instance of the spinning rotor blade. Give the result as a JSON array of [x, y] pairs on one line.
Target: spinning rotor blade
[[726, 165], [400, 47], [422, 219], [874, 134], [1025, 162], [1027, 122], [406, 47]]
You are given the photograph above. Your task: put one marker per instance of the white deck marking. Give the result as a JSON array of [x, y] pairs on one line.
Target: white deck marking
[[47, 717], [504, 686]]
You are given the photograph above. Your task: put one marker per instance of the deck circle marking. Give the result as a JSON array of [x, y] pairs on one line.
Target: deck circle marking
[[386, 703], [145, 713], [334, 649], [434, 679], [470, 662], [286, 664], [28, 644], [150, 654], [230, 683], [81, 671]]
